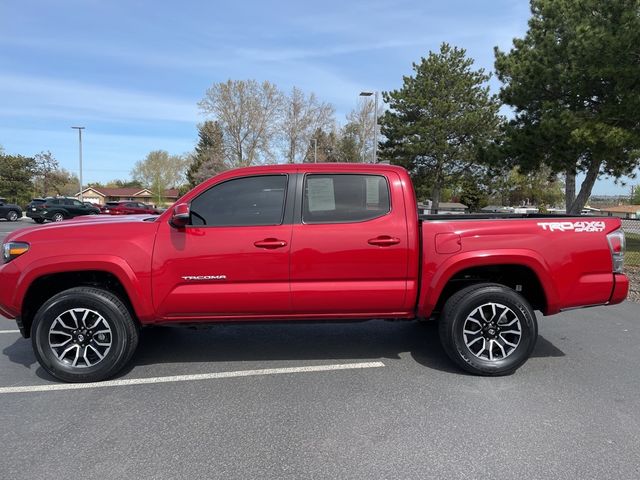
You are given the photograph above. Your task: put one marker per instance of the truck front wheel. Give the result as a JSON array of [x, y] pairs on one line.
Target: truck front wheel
[[84, 334], [488, 329]]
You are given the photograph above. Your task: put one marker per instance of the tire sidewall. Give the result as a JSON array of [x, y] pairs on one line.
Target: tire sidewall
[[528, 325], [12, 216], [66, 301]]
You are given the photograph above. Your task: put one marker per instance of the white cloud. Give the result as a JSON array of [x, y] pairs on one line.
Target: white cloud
[[53, 96]]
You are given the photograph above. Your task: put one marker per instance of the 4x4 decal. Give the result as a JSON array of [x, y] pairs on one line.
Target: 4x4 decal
[[582, 226]]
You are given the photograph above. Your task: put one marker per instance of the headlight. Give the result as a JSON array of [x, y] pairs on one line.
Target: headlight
[[11, 250]]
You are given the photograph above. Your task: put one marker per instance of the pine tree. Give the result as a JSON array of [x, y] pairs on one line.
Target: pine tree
[[209, 156], [573, 83], [439, 119]]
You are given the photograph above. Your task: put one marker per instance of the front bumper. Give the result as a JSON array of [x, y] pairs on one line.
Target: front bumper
[[9, 275]]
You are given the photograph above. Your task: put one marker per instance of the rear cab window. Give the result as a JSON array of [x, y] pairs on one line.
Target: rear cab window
[[344, 198]]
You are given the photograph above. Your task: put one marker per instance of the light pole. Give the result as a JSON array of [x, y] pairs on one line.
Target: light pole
[[375, 124], [80, 155], [315, 150]]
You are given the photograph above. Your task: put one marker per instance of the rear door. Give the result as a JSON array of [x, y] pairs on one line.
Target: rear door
[[76, 207], [349, 251]]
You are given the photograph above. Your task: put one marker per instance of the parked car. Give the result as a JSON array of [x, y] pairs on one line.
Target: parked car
[[9, 211], [322, 242], [127, 207], [57, 209]]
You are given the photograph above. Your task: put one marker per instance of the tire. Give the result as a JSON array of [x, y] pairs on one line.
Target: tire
[[97, 330], [484, 315], [57, 217], [39, 220], [12, 216]]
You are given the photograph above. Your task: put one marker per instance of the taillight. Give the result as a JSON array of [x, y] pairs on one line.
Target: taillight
[[617, 246]]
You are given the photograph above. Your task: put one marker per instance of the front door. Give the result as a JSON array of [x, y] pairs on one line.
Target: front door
[[232, 259]]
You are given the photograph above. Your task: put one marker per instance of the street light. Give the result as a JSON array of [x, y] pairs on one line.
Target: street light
[[315, 150], [80, 154], [375, 125]]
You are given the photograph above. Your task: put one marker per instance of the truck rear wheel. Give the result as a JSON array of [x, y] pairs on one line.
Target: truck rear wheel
[[488, 329], [84, 334]]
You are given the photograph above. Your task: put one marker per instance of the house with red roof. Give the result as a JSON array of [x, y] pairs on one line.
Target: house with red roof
[[102, 195]]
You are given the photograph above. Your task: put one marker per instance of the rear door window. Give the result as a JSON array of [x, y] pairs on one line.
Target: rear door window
[[341, 198]]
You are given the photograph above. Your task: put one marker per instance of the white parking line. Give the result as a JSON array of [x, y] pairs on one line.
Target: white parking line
[[9, 331], [190, 378]]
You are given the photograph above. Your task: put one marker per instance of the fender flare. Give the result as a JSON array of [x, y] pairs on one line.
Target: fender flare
[[139, 296], [436, 276]]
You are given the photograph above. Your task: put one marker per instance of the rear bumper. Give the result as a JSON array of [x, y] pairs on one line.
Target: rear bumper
[[32, 214], [620, 288]]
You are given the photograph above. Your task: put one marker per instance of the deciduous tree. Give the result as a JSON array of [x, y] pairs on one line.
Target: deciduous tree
[[249, 114], [16, 176], [159, 171], [302, 116]]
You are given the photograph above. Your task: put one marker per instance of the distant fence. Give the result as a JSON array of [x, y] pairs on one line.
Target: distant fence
[[632, 233]]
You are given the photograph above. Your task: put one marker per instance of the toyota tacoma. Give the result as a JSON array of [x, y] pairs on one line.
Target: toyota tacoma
[[294, 243]]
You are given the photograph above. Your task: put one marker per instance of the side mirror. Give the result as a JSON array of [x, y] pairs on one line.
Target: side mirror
[[180, 216]]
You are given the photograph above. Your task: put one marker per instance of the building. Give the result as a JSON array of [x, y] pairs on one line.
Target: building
[[102, 195], [444, 208], [622, 211], [496, 209]]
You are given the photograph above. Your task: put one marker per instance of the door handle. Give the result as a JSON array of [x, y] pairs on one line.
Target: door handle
[[384, 241], [270, 243]]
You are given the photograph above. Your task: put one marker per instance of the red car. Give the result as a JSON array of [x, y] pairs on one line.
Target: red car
[[321, 242], [127, 207]]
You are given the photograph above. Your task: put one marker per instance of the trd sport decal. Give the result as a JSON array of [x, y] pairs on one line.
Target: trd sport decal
[[572, 226]]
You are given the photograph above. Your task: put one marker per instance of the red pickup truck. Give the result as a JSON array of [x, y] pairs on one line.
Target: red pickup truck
[[303, 242]]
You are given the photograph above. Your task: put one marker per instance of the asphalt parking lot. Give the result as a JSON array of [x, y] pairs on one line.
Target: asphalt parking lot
[[365, 400]]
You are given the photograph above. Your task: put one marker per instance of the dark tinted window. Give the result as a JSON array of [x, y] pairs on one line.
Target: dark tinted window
[[243, 201], [344, 198]]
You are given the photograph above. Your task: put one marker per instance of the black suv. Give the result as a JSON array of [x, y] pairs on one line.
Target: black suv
[[57, 209], [9, 211]]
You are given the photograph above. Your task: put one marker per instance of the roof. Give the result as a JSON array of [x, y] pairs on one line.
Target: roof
[[130, 192], [621, 209], [324, 167], [457, 205]]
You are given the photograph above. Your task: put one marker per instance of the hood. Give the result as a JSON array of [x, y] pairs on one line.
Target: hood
[[79, 226]]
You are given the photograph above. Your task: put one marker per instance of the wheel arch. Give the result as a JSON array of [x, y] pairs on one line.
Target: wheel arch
[[524, 274], [40, 284]]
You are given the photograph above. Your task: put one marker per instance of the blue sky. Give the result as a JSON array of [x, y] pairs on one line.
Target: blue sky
[[133, 71]]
